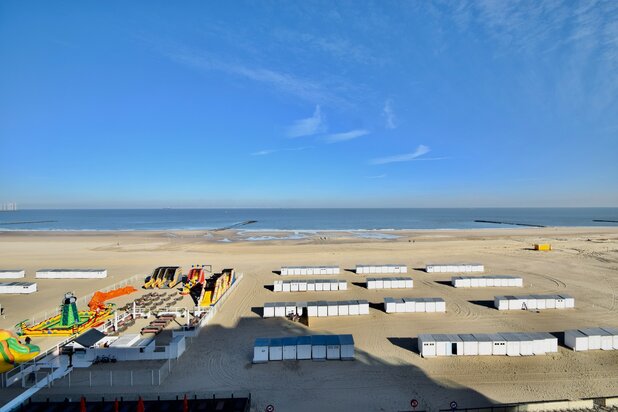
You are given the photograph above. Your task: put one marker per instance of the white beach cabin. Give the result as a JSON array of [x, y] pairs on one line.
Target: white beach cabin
[[346, 343], [260, 350], [576, 340], [275, 349], [303, 347]]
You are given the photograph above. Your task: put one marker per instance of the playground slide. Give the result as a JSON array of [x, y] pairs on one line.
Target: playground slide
[[99, 298], [196, 275], [152, 279], [216, 286], [169, 277], [13, 352]]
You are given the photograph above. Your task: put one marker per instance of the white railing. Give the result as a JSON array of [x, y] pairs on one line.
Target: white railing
[[16, 374], [84, 300]]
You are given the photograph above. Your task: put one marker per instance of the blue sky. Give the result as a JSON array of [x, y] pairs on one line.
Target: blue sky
[[309, 104]]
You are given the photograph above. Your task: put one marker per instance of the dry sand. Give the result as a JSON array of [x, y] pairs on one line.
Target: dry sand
[[387, 372]]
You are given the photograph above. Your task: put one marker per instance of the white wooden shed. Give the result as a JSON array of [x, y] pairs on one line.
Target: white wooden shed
[[318, 347], [614, 333], [269, 310], [347, 347], [426, 345], [498, 344], [485, 343], [470, 344], [576, 340], [275, 349], [12, 273], [303, 347], [594, 338], [289, 348], [513, 342], [443, 345], [457, 345], [333, 347], [260, 350]]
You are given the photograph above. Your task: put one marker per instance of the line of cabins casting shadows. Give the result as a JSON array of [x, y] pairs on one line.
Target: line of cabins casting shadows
[[359, 284], [354, 270], [219, 360], [259, 310]]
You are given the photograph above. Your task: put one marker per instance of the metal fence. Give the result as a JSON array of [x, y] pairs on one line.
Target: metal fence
[[89, 377]]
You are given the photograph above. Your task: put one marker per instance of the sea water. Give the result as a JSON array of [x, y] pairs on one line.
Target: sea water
[[300, 219]]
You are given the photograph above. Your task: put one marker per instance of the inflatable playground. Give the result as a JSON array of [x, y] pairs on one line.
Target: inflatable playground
[[71, 321], [212, 289], [197, 274], [13, 352], [204, 288], [164, 277]]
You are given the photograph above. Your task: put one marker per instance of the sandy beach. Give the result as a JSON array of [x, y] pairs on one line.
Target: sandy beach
[[387, 372]]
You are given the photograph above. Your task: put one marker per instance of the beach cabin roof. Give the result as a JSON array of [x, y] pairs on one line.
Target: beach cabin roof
[[346, 339], [332, 339], [318, 340], [90, 338], [290, 341], [261, 342], [303, 340]]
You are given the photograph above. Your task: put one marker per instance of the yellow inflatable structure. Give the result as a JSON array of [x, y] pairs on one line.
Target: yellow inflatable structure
[[13, 352]]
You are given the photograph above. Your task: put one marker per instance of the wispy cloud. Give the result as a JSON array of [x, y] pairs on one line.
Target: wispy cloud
[[389, 114], [266, 152], [309, 126], [342, 137], [310, 90], [383, 175], [332, 45], [580, 35], [405, 157]]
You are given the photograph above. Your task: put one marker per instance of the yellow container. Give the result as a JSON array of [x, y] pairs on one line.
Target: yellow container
[[542, 246]]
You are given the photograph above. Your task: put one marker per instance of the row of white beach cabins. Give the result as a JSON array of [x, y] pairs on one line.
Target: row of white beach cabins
[[534, 302], [351, 307], [391, 283], [408, 305], [516, 344], [385, 268], [315, 347], [509, 344], [341, 347], [31, 287], [55, 273], [320, 285]]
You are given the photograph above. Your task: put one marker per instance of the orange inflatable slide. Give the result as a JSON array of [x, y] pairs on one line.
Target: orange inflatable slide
[[99, 298]]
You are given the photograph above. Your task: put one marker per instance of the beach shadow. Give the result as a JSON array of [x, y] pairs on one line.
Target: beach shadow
[[420, 269], [258, 310], [277, 272], [528, 248], [360, 284], [444, 282], [377, 306], [191, 376], [350, 270], [270, 287], [486, 303], [410, 344]]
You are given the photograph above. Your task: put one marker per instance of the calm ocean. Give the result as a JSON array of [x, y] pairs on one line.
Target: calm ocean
[[300, 219]]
